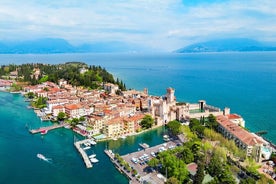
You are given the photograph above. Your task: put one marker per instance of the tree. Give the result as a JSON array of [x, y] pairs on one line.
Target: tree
[[187, 155], [174, 127], [212, 123], [199, 176], [172, 180], [30, 95], [248, 180], [61, 116], [82, 118], [147, 122]]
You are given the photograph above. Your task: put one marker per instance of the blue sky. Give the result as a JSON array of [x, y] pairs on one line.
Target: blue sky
[[156, 24]]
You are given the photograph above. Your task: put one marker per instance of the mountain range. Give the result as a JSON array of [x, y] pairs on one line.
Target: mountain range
[[58, 45], [228, 45]]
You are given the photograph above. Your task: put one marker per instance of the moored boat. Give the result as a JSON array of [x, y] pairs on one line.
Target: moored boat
[[92, 156], [94, 160]]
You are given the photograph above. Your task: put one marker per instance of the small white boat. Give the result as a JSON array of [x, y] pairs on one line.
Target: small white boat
[[166, 138], [92, 142], [94, 160], [86, 148], [92, 156], [42, 157], [123, 137]]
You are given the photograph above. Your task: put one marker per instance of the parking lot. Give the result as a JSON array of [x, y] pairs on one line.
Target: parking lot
[[138, 160]]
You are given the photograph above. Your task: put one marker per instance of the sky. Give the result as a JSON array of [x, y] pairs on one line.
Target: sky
[[154, 24]]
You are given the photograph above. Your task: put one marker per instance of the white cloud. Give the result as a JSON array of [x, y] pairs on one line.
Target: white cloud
[[162, 24]]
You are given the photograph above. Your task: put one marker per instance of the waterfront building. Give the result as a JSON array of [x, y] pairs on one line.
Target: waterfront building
[[250, 142]]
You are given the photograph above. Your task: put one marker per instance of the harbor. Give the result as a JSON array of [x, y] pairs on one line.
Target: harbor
[[83, 153]]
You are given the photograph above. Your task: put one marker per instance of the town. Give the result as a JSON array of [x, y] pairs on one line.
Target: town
[[109, 113]]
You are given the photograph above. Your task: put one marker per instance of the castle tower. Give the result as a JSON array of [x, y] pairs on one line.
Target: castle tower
[[170, 95], [226, 111], [201, 103], [146, 91]]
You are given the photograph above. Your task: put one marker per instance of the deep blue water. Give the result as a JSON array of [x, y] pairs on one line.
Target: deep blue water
[[245, 82]]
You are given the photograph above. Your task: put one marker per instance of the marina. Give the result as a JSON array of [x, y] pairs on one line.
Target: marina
[[83, 153]]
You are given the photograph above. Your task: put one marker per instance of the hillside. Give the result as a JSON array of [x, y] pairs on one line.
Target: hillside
[[228, 45]]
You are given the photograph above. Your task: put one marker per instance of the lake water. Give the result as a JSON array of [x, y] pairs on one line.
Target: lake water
[[245, 82]]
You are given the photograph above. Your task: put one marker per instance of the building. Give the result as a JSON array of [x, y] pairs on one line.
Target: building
[[250, 142]]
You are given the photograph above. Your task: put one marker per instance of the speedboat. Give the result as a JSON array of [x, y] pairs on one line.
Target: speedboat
[[94, 160], [42, 157]]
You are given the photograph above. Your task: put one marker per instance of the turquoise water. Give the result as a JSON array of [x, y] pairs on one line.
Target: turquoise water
[[19, 163], [245, 82]]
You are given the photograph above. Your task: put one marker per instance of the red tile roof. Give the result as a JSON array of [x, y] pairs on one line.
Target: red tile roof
[[240, 133]]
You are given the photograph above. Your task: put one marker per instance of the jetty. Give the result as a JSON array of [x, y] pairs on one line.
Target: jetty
[[43, 129], [83, 153], [144, 145]]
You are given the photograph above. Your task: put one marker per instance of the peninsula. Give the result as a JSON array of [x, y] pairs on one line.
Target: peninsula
[[96, 106]]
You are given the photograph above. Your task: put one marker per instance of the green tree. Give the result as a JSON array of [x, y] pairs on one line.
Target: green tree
[[187, 155], [199, 174], [147, 122], [248, 180], [172, 180], [30, 95], [174, 127], [82, 118], [61, 116]]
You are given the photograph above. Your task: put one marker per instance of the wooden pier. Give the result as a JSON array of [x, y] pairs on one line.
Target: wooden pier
[[43, 129], [83, 153]]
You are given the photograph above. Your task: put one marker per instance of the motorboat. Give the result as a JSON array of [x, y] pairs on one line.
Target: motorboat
[[92, 156], [86, 148], [42, 157], [92, 142], [94, 160]]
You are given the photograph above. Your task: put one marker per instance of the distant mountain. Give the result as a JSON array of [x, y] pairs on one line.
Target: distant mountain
[[57, 45], [227, 45]]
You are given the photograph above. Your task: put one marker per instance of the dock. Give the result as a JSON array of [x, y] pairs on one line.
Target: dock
[[42, 129], [83, 153], [144, 145]]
